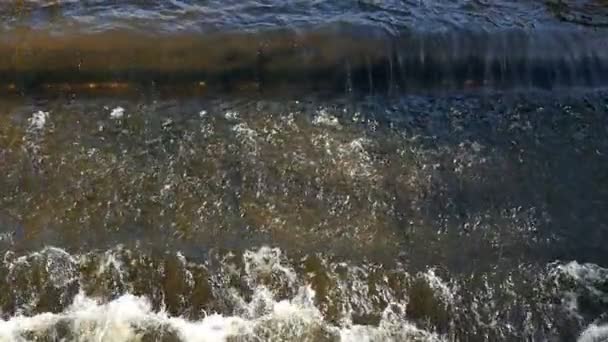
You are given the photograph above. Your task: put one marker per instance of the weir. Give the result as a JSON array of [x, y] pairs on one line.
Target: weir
[[319, 171], [338, 59]]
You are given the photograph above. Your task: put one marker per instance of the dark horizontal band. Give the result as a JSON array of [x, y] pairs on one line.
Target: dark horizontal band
[[336, 59]]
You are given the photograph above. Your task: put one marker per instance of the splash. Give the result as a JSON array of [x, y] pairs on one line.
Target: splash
[[117, 113], [38, 120], [131, 317]]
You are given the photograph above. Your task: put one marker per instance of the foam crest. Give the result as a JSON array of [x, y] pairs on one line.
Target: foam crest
[[126, 295], [38, 120], [594, 333], [130, 317]]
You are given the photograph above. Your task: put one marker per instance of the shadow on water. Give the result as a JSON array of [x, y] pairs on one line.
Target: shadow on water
[[532, 172]]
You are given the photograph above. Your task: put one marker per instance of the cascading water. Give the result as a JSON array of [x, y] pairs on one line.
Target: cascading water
[[338, 58], [287, 171]]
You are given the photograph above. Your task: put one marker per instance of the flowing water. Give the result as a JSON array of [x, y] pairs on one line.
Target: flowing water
[[378, 170]]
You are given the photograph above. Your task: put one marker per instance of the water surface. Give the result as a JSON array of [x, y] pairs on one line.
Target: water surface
[[303, 171]]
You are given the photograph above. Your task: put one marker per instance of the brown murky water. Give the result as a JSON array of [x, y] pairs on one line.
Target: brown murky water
[[264, 171], [448, 210]]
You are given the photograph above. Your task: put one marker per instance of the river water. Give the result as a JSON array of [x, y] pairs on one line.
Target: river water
[[375, 170]]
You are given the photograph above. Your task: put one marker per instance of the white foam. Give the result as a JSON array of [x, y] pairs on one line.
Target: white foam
[[231, 115], [117, 113], [594, 333], [584, 272], [38, 120], [281, 304], [438, 285], [124, 318], [263, 316], [355, 157], [351, 157], [387, 331], [247, 136], [587, 277], [266, 261], [588, 280], [323, 118]]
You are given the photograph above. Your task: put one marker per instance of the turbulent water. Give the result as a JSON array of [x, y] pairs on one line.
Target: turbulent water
[[304, 171]]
